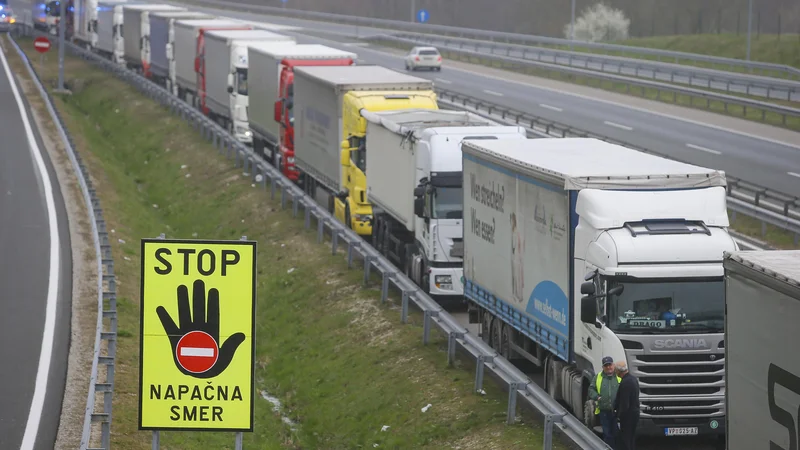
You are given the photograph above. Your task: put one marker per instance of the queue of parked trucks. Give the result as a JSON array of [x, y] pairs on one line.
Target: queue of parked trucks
[[566, 250]]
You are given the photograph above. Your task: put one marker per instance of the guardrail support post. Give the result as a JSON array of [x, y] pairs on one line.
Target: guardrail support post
[[549, 421], [452, 338], [367, 267], [404, 307], [426, 325], [385, 285], [511, 413], [350, 247], [320, 231], [479, 366], [295, 205], [334, 241]]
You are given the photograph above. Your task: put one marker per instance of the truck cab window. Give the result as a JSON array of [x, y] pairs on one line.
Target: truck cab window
[[241, 81], [358, 145], [448, 203]]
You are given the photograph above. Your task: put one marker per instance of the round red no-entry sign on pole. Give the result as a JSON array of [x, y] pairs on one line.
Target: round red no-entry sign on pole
[[197, 351], [41, 44]]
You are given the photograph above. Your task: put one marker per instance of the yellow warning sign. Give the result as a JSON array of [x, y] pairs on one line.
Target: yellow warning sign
[[197, 329]]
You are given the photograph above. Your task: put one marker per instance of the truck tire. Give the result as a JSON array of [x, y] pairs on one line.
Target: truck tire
[[377, 236], [347, 220], [552, 378], [589, 419]]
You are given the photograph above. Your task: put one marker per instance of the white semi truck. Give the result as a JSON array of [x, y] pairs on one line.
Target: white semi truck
[[642, 237], [415, 187], [222, 77], [155, 54], [762, 373], [189, 36], [106, 35], [135, 26], [277, 61]]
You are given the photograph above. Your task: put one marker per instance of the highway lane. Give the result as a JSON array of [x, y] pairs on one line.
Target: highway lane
[[760, 160], [35, 319]]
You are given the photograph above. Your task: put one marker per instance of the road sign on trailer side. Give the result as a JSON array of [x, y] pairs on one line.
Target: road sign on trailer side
[[197, 328], [41, 44]]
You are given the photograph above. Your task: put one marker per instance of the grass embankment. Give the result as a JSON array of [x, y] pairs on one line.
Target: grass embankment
[[342, 365], [750, 113]]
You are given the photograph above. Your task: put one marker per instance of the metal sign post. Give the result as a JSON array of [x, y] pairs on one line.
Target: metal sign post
[[62, 28]]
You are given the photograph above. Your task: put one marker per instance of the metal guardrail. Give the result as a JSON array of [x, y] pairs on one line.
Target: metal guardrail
[[731, 82], [779, 210], [526, 39], [520, 387], [106, 281], [644, 86]]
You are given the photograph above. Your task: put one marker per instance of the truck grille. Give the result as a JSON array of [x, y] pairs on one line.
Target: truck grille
[[679, 386]]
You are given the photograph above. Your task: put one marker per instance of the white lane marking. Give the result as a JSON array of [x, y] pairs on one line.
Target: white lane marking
[[497, 94], [589, 98], [616, 125], [357, 44], [197, 351], [554, 108], [794, 174], [45, 355], [442, 80], [704, 149]]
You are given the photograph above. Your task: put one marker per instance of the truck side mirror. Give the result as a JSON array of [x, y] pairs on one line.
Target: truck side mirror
[[230, 89], [344, 155], [419, 206], [589, 310], [587, 288], [419, 191], [277, 110], [616, 290]]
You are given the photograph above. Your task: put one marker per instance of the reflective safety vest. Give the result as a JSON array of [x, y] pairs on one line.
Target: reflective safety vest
[[599, 383]]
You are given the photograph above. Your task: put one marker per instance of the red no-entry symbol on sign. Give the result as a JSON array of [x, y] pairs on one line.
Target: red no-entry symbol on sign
[[197, 351], [41, 44]]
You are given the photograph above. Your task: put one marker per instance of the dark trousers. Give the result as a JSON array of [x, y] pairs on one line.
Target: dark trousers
[[609, 424], [627, 430]]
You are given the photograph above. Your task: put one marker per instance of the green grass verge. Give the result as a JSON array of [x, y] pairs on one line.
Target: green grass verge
[[342, 364], [753, 114]]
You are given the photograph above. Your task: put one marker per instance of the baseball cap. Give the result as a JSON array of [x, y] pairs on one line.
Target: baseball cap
[[607, 360]]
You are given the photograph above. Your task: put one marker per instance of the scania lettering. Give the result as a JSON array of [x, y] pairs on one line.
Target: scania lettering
[[640, 236], [415, 187]]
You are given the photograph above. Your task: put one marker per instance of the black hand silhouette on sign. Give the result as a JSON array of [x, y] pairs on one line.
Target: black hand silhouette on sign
[[200, 323]]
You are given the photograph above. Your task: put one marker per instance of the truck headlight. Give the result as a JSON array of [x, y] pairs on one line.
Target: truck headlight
[[248, 133], [444, 282], [362, 217], [290, 160]]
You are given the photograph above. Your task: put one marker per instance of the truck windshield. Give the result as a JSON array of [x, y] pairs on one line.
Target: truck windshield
[[241, 80], [448, 203], [668, 306]]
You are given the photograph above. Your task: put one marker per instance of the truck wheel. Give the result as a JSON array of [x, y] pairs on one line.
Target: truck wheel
[[505, 342], [589, 419], [347, 216], [377, 238]]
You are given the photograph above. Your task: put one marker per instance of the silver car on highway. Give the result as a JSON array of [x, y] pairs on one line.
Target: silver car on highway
[[427, 57]]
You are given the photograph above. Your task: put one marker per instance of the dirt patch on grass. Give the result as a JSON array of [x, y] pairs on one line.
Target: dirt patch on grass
[[346, 372]]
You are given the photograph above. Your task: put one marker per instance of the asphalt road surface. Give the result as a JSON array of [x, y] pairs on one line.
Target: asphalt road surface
[[31, 392], [762, 160]]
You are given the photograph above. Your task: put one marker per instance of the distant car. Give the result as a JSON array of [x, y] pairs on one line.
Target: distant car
[[7, 18], [427, 57]]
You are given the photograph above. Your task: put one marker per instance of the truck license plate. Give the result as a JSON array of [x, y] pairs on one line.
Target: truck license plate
[[681, 431]]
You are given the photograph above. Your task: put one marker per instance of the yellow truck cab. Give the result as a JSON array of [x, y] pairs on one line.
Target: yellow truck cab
[[330, 131], [352, 207]]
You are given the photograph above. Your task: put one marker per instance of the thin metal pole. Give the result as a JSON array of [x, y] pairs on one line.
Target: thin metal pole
[[239, 439], [572, 26], [156, 438], [413, 11], [749, 26], [62, 26]]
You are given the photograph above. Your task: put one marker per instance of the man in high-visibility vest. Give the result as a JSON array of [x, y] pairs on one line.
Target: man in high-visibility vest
[[603, 391]]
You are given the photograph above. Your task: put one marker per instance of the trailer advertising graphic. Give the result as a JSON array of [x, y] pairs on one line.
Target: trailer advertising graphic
[[197, 333], [525, 223]]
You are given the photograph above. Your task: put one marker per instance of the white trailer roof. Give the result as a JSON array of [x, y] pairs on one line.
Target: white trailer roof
[[349, 78], [783, 265], [181, 14], [581, 163], [152, 7], [302, 51], [249, 34], [405, 120], [118, 2], [198, 23]]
